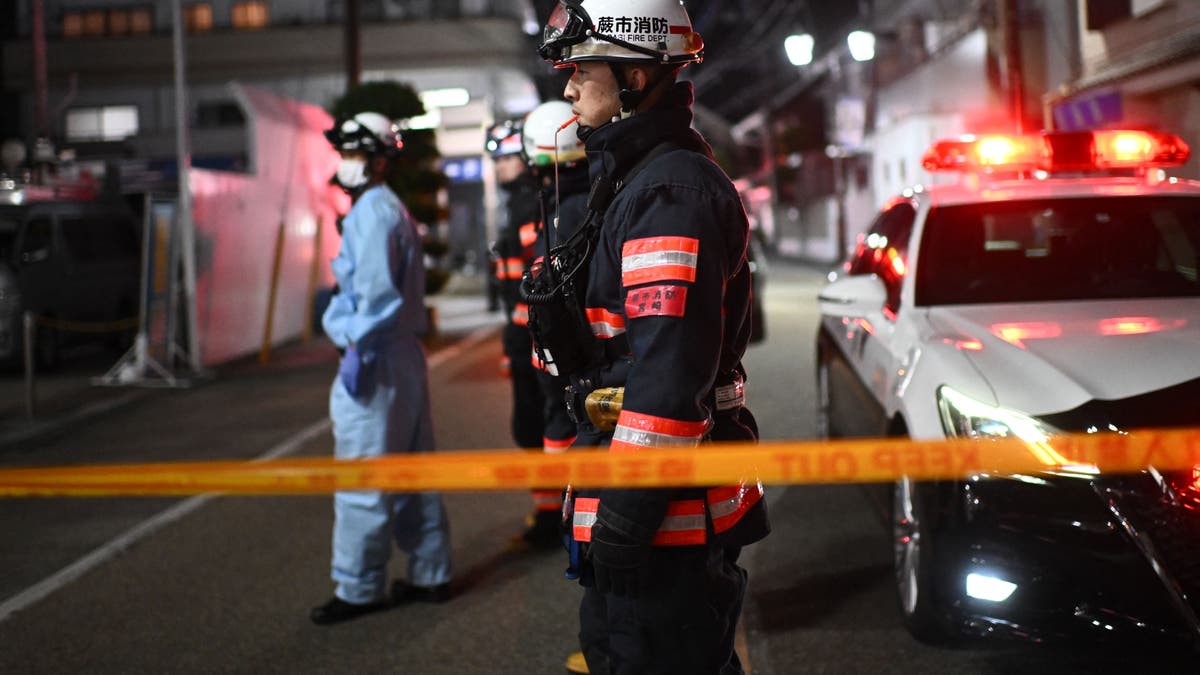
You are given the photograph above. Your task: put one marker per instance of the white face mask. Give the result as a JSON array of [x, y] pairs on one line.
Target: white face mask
[[352, 173]]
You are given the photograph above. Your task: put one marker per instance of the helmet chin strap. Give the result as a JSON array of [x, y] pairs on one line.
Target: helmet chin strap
[[631, 98]]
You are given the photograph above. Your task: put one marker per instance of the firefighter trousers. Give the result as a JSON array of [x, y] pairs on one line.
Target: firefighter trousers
[[683, 624]]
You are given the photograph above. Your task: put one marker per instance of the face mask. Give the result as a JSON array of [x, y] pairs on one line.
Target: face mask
[[352, 173]]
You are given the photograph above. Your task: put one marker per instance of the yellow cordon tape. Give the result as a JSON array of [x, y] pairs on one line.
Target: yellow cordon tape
[[854, 461]]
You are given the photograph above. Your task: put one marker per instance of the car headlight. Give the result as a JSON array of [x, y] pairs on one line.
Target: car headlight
[[965, 417]]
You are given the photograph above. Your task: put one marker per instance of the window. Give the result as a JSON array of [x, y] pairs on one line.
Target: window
[[141, 21], [99, 239], [218, 114], [108, 123], [94, 22], [35, 246], [72, 24], [1064, 249], [884, 251], [97, 22], [118, 21], [198, 17], [250, 15]]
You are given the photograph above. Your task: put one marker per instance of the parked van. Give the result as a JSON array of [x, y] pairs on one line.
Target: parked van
[[68, 261]]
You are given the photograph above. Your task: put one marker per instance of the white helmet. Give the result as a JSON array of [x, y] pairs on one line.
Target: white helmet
[[370, 132], [658, 31], [549, 136]]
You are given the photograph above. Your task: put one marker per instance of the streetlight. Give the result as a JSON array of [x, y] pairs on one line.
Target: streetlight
[[861, 44], [799, 49]]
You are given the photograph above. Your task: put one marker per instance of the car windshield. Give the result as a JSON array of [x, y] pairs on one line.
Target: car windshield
[[1060, 249]]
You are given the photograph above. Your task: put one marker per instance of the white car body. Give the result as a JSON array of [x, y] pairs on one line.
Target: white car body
[[1103, 349]]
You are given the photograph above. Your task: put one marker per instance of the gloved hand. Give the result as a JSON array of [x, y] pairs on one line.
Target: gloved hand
[[620, 566], [350, 371]]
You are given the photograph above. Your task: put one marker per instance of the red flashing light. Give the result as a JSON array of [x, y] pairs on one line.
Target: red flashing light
[[1133, 149], [1050, 151]]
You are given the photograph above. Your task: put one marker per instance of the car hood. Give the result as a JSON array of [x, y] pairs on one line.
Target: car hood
[[1049, 357]]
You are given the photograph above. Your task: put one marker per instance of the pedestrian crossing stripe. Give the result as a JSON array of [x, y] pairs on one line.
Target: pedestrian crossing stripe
[[776, 462]]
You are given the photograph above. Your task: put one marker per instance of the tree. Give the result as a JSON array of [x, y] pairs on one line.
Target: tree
[[415, 176]]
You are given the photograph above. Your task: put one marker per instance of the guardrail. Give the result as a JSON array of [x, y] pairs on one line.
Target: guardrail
[[29, 323]]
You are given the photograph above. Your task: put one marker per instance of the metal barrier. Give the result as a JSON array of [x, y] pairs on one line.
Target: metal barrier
[[29, 324]]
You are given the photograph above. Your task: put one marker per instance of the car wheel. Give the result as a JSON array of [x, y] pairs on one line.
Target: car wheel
[[916, 563]]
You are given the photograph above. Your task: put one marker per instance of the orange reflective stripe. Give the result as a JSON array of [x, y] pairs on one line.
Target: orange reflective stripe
[[682, 526], [638, 430], [555, 446], [659, 259], [584, 518], [509, 268], [605, 324], [729, 503], [520, 314], [527, 233], [546, 500]]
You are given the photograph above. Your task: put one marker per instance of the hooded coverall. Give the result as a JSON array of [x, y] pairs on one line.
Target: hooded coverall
[[378, 316]]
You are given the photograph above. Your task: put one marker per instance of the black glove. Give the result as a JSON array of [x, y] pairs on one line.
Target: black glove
[[620, 566]]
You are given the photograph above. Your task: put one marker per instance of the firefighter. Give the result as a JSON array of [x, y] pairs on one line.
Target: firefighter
[[556, 159], [514, 251], [654, 324]]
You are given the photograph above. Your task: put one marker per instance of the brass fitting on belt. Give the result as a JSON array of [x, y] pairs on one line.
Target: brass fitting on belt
[[603, 407]]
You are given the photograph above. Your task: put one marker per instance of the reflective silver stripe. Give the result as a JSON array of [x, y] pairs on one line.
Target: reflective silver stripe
[[584, 519], [682, 523], [726, 507], [547, 360], [650, 439], [731, 396], [641, 261], [606, 329]]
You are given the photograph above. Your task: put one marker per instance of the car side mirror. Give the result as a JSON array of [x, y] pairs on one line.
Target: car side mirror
[[854, 296]]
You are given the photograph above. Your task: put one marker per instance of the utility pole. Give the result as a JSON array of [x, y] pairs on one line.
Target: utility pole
[[183, 154], [352, 45], [40, 86], [1014, 82]]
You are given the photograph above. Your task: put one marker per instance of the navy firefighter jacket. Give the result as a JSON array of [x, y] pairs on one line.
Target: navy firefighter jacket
[[515, 246], [669, 294], [569, 204]]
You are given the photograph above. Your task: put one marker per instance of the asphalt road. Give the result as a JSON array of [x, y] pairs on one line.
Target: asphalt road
[[219, 584]]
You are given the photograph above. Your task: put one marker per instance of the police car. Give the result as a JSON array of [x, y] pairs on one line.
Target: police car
[[1053, 288]]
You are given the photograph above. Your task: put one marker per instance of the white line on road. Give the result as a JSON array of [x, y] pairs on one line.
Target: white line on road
[[113, 547]]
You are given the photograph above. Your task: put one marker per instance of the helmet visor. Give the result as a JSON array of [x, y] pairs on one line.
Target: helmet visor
[[567, 26]]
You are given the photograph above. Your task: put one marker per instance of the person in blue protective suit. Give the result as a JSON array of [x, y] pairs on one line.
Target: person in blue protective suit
[[379, 401], [654, 323]]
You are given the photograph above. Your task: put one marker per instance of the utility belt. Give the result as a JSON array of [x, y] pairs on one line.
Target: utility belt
[[603, 406]]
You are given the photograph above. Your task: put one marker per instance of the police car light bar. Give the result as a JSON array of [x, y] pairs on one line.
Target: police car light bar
[[1057, 151]]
